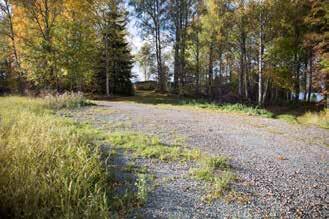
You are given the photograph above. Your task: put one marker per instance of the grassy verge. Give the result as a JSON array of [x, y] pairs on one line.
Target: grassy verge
[[147, 97], [296, 114], [50, 166], [320, 119]]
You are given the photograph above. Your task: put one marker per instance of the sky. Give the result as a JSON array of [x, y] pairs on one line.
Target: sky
[[135, 41]]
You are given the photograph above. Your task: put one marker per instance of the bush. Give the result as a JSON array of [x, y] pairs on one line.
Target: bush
[[49, 166]]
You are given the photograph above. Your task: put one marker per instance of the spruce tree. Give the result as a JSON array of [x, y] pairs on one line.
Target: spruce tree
[[115, 59]]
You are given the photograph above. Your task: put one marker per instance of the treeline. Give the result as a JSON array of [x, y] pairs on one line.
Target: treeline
[[64, 45], [237, 50]]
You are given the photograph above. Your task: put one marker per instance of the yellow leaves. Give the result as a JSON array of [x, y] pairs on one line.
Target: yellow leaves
[[211, 21]]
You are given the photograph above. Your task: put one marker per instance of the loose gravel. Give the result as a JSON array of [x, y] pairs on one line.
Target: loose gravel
[[283, 168]]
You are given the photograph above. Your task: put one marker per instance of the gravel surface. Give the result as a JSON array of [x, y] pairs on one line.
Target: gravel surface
[[283, 168]]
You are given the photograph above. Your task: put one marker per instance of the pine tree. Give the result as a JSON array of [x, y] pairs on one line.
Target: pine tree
[[114, 71]]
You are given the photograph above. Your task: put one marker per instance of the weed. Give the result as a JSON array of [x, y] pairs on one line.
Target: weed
[[288, 118], [203, 174], [142, 188], [220, 162], [220, 184], [214, 170]]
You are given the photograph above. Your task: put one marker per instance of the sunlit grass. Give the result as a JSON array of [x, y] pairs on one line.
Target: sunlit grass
[[150, 147], [67, 100], [50, 166], [214, 170], [167, 100], [321, 119]]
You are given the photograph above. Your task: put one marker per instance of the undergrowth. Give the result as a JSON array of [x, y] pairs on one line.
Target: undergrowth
[[50, 166]]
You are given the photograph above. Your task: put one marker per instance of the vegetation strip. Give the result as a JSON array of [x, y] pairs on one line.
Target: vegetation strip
[[214, 170]]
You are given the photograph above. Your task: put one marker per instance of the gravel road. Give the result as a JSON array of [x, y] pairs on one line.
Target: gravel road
[[283, 168]]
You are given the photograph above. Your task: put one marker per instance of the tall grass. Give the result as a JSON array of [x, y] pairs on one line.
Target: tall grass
[[321, 119], [66, 100], [49, 165]]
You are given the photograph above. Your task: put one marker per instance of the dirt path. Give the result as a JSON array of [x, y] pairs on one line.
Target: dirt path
[[284, 168]]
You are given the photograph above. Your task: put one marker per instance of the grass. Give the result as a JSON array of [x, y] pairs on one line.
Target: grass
[[50, 166], [147, 97], [320, 119], [150, 147], [214, 170], [292, 113], [68, 100]]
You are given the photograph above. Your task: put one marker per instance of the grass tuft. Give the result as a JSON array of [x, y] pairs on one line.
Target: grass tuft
[[214, 170]]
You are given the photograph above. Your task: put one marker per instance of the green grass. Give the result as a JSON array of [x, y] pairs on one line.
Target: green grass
[[217, 172], [320, 119], [50, 166], [214, 170], [150, 147], [147, 97], [232, 108], [294, 114]]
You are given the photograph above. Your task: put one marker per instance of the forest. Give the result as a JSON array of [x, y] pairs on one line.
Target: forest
[[252, 51], [164, 108]]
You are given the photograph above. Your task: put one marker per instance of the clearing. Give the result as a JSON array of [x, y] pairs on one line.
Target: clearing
[[281, 168]]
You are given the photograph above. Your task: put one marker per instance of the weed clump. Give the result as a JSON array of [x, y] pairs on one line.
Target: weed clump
[[214, 170]]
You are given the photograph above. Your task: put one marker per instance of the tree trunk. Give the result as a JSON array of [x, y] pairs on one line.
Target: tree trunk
[[310, 77], [176, 62], [306, 69], [107, 65], [197, 88], [297, 81], [260, 63], [210, 70]]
